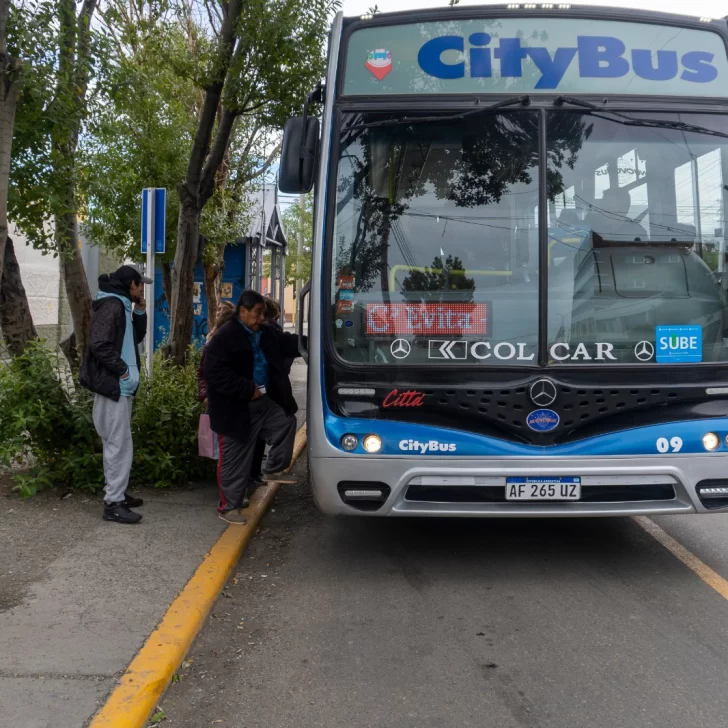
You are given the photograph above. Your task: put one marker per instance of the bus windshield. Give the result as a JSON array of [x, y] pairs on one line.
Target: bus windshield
[[439, 241]]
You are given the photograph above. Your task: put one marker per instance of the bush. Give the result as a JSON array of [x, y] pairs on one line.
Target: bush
[[164, 425], [46, 425]]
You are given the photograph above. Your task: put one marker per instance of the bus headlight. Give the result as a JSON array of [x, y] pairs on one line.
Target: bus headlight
[[711, 441], [372, 443], [349, 442]]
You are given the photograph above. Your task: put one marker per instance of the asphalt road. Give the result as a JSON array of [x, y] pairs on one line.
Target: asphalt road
[[439, 623]]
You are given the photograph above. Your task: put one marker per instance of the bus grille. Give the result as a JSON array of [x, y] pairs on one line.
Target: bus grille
[[497, 494]]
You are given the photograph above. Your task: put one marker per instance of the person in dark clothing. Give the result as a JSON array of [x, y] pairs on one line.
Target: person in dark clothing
[[110, 369], [225, 312], [249, 396], [271, 316]]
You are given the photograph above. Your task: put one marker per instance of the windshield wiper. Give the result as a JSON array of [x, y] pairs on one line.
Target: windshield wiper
[[626, 120], [513, 101]]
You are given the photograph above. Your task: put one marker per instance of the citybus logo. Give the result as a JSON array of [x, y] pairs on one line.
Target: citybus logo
[[425, 447], [598, 56], [379, 63]]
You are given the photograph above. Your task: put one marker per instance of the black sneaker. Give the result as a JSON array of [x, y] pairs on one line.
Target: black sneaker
[[119, 513], [131, 502]]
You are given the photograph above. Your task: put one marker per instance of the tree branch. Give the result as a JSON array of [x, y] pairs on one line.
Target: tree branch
[[213, 24], [82, 70], [213, 93], [214, 160], [121, 50], [250, 142], [266, 166], [4, 14]]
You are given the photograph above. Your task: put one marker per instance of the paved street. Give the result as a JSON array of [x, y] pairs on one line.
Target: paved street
[[399, 623], [79, 596]]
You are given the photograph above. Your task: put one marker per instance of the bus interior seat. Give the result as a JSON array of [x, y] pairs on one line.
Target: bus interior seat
[[609, 220], [570, 218]]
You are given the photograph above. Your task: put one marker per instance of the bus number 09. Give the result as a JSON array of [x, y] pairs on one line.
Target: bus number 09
[[673, 445]]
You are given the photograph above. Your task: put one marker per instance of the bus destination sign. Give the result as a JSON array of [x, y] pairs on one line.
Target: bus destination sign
[[532, 55], [426, 319]]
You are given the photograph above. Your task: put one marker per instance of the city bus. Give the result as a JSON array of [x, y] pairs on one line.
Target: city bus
[[518, 292]]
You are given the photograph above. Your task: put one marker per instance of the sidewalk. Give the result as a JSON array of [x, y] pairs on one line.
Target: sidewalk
[[79, 596]]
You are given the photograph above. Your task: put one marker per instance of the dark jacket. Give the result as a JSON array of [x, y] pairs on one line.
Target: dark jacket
[[102, 364], [287, 363], [201, 382], [228, 370]]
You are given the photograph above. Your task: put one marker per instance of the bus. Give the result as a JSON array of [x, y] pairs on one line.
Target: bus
[[518, 294]]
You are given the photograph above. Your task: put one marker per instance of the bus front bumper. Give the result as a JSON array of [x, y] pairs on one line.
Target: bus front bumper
[[615, 486]]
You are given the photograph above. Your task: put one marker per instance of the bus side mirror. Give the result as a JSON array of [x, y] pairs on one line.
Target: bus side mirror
[[298, 155]]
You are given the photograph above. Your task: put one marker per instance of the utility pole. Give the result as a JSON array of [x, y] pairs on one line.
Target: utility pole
[[299, 265]]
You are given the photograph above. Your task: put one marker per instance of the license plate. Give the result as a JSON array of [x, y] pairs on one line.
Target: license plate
[[541, 489]]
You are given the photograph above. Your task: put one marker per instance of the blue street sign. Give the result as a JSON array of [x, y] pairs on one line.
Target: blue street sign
[[160, 219], [159, 211], [145, 216]]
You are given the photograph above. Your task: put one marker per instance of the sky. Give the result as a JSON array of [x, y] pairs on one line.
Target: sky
[[709, 8]]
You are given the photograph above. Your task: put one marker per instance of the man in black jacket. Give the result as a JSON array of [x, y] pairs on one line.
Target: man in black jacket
[[249, 396], [111, 370]]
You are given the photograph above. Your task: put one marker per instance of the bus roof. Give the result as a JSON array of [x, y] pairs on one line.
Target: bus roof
[[524, 48], [555, 9]]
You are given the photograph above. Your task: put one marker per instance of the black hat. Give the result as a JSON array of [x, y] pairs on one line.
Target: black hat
[[130, 274]]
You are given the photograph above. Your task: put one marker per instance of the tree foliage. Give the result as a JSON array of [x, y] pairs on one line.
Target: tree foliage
[[141, 124], [266, 57], [190, 95], [33, 197], [298, 266]]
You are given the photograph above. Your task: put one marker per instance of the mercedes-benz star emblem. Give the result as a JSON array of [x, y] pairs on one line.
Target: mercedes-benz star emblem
[[400, 348], [543, 392], [644, 351]]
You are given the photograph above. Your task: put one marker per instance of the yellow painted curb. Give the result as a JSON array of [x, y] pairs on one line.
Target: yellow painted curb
[[151, 671], [298, 445]]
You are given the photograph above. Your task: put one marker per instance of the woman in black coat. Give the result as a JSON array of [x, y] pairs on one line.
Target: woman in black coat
[[272, 318]]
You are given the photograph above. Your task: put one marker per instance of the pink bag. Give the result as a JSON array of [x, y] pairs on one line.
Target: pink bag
[[207, 441]]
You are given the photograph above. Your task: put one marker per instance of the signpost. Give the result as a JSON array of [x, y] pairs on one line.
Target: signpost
[[154, 224]]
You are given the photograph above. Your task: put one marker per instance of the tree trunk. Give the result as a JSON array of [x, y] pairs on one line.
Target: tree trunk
[[183, 276], [166, 281], [211, 271], [70, 351], [74, 67], [16, 320], [74, 276], [205, 159], [10, 70]]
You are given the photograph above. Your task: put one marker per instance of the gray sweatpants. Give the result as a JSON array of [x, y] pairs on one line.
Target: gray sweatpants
[[269, 422], [112, 421]]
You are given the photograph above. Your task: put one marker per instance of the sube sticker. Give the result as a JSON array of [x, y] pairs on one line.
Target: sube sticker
[[679, 344]]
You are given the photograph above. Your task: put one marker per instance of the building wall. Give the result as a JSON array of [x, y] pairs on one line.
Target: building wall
[[41, 276], [45, 288]]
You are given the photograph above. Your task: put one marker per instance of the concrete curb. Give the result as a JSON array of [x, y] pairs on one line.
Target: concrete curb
[[150, 672], [298, 445]]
